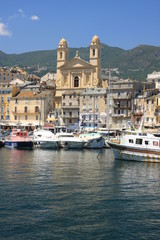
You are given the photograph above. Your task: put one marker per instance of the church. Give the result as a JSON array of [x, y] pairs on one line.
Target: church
[[77, 74]]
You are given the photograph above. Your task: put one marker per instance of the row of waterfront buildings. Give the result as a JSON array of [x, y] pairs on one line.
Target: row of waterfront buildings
[[78, 95]]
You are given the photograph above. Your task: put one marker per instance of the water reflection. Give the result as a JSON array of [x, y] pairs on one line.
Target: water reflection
[[77, 195]]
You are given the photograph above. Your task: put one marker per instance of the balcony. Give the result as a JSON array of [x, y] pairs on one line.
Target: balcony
[[70, 107], [121, 115], [123, 97], [26, 113], [70, 117], [122, 106]]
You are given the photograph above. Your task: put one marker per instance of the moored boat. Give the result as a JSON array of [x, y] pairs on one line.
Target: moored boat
[[18, 139], [136, 146], [69, 141], [45, 139], [92, 140]]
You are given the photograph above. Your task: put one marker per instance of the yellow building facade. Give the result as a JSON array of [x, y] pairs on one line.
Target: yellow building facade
[[7, 91]]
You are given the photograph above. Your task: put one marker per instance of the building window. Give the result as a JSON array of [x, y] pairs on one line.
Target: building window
[[70, 114], [76, 82], [61, 55], [25, 109], [36, 109], [70, 96], [15, 117], [139, 141], [93, 52], [36, 117], [63, 96], [25, 117], [90, 108]]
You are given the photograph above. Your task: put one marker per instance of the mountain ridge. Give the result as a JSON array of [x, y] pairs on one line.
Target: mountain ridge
[[134, 63]]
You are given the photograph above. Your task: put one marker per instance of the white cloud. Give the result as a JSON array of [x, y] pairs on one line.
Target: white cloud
[[34, 18], [21, 12], [3, 30]]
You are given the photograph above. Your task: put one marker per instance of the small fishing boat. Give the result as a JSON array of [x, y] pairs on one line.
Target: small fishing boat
[[18, 139], [69, 141], [92, 140], [45, 139], [136, 146]]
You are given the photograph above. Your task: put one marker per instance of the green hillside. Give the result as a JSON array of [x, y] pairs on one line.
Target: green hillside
[[134, 64]]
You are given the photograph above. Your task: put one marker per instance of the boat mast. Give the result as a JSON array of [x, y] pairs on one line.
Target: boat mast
[[108, 108]]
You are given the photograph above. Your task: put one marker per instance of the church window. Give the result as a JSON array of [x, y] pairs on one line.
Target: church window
[[93, 52], [76, 82], [61, 54]]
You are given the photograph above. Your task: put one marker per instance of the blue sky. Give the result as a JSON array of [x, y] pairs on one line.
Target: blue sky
[[31, 25]]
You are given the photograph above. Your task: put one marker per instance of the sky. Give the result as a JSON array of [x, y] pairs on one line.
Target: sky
[[32, 25]]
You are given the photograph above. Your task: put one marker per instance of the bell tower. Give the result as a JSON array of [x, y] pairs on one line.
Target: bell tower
[[95, 55], [62, 53]]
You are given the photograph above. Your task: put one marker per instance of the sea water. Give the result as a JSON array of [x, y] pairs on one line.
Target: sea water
[[77, 195]]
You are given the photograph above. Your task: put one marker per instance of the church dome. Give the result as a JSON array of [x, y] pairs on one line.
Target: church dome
[[63, 42], [95, 39]]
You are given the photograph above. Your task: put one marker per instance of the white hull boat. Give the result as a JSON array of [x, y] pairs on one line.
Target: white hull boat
[[137, 146], [69, 141], [92, 140], [45, 139]]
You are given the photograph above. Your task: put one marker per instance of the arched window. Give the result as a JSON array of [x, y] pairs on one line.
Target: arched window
[[93, 52], [61, 54], [76, 82]]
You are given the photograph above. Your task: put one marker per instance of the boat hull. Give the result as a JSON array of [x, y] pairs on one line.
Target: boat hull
[[18, 144], [72, 144], [134, 154], [95, 143], [47, 144]]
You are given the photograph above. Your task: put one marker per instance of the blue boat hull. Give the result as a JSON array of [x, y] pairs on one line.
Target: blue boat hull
[[18, 144]]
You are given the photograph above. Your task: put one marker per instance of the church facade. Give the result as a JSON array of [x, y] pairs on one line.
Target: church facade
[[77, 74]]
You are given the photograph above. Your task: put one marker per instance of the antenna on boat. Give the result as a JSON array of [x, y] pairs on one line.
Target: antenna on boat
[[108, 97]]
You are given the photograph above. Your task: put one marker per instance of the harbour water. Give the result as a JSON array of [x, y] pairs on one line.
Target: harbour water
[[77, 195]]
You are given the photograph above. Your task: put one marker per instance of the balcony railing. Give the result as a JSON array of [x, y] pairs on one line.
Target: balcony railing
[[122, 115], [28, 112]]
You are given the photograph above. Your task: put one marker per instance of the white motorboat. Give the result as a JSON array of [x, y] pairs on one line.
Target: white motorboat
[[69, 141], [93, 140], [136, 146], [45, 139]]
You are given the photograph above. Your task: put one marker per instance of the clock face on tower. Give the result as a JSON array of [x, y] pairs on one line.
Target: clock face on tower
[[93, 60]]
